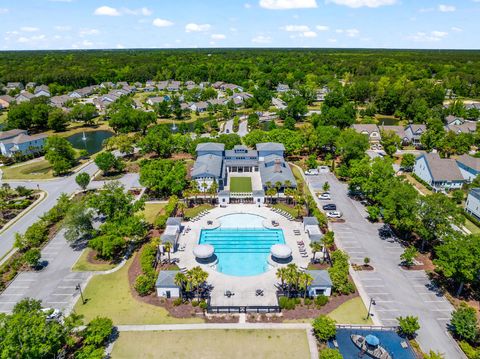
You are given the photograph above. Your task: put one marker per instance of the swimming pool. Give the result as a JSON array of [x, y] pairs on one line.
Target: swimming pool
[[242, 245]]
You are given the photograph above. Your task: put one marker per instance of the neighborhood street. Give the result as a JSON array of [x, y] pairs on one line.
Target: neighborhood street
[[396, 292]]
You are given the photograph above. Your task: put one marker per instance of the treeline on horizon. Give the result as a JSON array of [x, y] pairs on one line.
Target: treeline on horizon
[[458, 70]]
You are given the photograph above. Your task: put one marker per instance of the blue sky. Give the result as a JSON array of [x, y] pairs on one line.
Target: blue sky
[[85, 24]]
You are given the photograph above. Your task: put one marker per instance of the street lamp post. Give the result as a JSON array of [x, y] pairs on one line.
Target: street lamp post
[[79, 288], [372, 302]]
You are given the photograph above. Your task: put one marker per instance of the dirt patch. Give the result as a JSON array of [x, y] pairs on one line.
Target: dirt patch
[[132, 167], [180, 311], [318, 266], [182, 156], [221, 318], [363, 267], [92, 258], [424, 263], [312, 311], [265, 318]]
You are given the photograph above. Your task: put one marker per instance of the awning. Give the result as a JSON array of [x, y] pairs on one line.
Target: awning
[[281, 251], [203, 251]]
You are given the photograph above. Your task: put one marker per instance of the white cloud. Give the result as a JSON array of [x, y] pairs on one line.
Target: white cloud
[[247, 5], [142, 11], [161, 22], [88, 32], [296, 28], [26, 39], [433, 36], [348, 32], [322, 28], [457, 29], [363, 3], [106, 11], [233, 29], [309, 34], [120, 46], [288, 4], [63, 28], [197, 27], [261, 39], [4, 10], [218, 37], [332, 41], [446, 8], [28, 29]]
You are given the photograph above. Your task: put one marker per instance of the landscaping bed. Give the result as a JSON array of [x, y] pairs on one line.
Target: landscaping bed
[[88, 261], [14, 206]]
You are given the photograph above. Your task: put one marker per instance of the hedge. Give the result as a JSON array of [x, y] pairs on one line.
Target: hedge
[[169, 209]]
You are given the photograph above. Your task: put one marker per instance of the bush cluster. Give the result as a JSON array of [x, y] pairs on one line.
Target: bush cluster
[[169, 209], [321, 300], [145, 282], [339, 273]]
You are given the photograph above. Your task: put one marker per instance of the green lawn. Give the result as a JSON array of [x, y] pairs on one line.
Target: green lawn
[[152, 210], [109, 296], [193, 212], [82, 265], [299, 179], [213, 344], [40, 169], [240, 184], [292, 211], [3, 116], [472, 227], [351, 312]]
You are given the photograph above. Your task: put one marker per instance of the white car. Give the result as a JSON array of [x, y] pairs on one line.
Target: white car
[[334, 214], [324, 169], [311, 172], [52, 314], [325, 196]]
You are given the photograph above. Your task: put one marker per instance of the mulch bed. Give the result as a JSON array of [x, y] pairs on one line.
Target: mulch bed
[[265, 318], [182, 156], [132, 167], [181, 311], [363, 267], [221, 318], [318, 266], [92, 258], [427, 264], [312, 311]]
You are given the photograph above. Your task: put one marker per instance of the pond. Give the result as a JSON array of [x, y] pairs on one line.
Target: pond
[[92, 141], [388, 121]]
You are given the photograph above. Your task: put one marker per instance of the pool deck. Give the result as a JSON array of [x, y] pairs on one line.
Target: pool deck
[[244, 288]]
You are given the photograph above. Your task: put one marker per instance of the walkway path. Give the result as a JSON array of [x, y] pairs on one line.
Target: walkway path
[[312, 342], [396, 292]]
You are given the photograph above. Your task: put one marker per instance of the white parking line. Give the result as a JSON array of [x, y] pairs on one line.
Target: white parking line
[[25, 280], [1, 302], [371, 278], [384, 301], [374, 286], [62, 294], [70, 279], [18, 287], [9, 294], [378, 293], [440, 310], [387, 310], [435, 301], [66, 286], [57, 302]]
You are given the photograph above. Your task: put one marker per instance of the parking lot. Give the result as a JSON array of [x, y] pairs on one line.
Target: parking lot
[[54, 286], [396, 292]]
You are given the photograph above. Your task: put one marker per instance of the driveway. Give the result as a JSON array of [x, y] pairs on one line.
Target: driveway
[[396, 292], [242, 128], [228, 128]]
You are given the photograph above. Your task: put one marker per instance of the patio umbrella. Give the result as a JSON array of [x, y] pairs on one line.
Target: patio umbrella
[[203, 251], [372, 340]]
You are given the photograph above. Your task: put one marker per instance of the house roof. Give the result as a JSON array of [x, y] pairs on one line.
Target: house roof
[[399, 130], [174, 221], [321, 278], [466, 127], [7, 98], [210, 146], [24, 138], [310, 221], [417, 127], [207, 165], [166, 279], [42, 88], [469, 161], [25, 94], [475, 192], [451, 118], [274, 169], [11, 133], [270, 146], [367, 127], [442, 169]]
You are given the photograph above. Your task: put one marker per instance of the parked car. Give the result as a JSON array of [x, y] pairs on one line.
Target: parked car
[[52, 314], [334, 214], [325, 196], [324, 169], [330, 207], [311, 172]]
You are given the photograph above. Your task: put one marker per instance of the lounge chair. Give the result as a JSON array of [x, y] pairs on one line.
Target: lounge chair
[[228, 293], [259, 292]]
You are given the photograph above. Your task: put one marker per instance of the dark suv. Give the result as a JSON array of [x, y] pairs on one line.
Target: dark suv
[[330, 207]]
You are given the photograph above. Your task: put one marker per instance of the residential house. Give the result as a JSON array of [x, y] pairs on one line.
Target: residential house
[[370, 130], [30, 85], [122, 84], [240, 97], [278, 103], [5, 101], [162, 85], [22, 144], [150, 83], [465, 127], [172, 231], [138, 85], [232, 87], [174, 86], [152, 101], [165, 285], [6, 135], [472, 205], [398, 130], [321, 93], [217, 85], [14, 86], [454, 120], [204, 85], [201, 106], [440, 173], [321, 284], [83, 92], [107, 85], [469, 166], [218, 102], [150, 88], [60, 101], [190, 85], [24, 96], [42, 90], [283, 88], [414, 132]]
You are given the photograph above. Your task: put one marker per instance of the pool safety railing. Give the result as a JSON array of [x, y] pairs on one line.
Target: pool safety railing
[[368, 327]]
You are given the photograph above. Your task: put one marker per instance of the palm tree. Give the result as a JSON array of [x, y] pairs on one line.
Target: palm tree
[[316, 247], [281, 274], [204, 187], [292, 276], [213, 190], [288, 193], [197, 277], [195, 190], [181, 280], [306, 280], [326, 186], [181, 206], [168, 247], [278, 187], [298, 208]]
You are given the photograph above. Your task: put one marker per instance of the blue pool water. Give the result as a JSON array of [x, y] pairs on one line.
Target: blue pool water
[[242, 251], [389, 339]]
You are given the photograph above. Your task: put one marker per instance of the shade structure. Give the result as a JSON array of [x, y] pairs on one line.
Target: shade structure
[[203, 251], [372, 340], [281, 251]]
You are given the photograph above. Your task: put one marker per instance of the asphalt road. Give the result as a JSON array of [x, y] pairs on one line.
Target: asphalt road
[[397, 292]]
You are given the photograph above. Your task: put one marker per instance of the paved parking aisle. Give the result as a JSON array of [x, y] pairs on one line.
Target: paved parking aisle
[[397, 292]]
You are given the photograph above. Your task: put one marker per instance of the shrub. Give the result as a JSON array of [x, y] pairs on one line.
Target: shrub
[[469, 351], [287, 303], [409, 255], [32, 257], [98, 331], [339, 273], [408, 325], [144, 284], [195, 303], [373, 213], [324, 327], [203, 305], [161, 221], [464, 323], [329, 353], [147, 259], [321, 300], [307, 301], [90, 352], [177, 302]]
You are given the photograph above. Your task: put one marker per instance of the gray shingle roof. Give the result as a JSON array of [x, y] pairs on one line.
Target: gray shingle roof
[[369, 128], [470, 161], [210, 146], [310, 221], [207, 165], [475, 192], [270, 146], [10, 134], [320, 278], [273, 172], [442, 169], [166, 279]]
